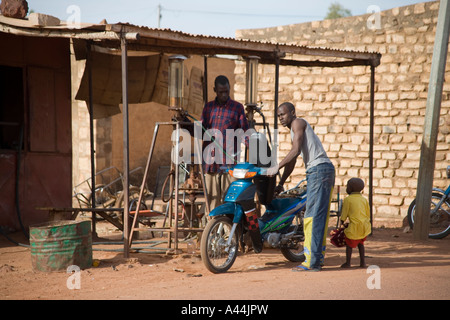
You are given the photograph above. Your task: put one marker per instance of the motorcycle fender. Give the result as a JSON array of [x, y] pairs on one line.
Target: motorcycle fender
[[228, 208], [439, 190]]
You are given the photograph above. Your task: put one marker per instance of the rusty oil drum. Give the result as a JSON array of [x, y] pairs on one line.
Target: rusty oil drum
[[59, 244]]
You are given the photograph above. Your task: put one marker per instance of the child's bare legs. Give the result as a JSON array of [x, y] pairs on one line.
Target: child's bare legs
[[348, 256], [362, 260]]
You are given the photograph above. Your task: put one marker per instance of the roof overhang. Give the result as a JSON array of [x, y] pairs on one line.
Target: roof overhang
[[164, 40]]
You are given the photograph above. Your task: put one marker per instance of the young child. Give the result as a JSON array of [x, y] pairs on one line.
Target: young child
[[356, 209]]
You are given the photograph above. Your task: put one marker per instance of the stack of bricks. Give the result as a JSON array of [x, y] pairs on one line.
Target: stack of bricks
[[335, 101]]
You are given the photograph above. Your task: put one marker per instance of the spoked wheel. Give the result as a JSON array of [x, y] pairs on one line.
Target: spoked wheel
[[439, 218], [133, 197], [103, 197], [293, 249], [217, 255]]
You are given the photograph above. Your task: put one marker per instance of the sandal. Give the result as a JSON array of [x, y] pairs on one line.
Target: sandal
[[301, 268]]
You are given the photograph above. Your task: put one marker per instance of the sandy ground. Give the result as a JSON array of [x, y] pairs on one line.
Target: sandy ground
[[406, 270]]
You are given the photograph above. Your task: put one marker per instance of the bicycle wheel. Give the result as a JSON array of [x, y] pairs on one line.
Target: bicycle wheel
[[439, 219], [133, 194], [217, 256]]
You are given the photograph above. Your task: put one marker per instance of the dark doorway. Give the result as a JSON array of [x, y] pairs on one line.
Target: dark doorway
[[11, 108]]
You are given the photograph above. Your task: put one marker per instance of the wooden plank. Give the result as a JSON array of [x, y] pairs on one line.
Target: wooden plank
[[111, 220], [65, 209]]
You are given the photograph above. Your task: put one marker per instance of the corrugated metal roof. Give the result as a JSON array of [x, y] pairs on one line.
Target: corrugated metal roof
[[239, 40], [142, 38]]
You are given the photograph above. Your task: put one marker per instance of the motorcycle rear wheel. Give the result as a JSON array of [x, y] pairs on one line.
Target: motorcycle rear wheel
[[293, 251], [216, 255]]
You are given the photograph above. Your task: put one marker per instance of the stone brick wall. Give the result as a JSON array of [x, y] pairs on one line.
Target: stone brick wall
[[81, 152], [335, 101]]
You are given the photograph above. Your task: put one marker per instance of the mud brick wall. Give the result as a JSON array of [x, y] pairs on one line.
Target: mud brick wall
[[336, 100]]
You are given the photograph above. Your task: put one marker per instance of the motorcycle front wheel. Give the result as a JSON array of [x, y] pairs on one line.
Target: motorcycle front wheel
[[216, 254], [439, 217]]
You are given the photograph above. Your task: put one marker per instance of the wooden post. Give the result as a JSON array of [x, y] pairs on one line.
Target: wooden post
[[429, 141]]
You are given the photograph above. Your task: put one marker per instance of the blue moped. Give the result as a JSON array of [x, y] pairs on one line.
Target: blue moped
[[439, 226], [281, 225]]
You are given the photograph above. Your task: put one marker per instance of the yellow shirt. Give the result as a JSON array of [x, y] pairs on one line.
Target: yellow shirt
[[356, 209]]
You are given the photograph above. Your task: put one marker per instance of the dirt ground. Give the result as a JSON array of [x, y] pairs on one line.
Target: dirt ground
[[406, 270]]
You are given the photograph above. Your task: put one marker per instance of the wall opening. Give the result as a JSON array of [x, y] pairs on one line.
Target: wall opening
[[11, 108]]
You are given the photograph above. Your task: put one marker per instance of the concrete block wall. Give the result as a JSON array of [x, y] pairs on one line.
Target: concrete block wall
[[335, 101]]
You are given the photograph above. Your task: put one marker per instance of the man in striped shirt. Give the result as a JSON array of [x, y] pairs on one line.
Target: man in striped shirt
[[219, 149]]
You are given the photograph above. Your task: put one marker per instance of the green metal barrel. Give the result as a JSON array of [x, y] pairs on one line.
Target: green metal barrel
[[59, 244]]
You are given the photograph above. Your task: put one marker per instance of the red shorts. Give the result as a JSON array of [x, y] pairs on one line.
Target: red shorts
[[353, 243]]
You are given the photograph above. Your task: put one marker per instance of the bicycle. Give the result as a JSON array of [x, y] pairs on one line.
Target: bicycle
[[439, 212]]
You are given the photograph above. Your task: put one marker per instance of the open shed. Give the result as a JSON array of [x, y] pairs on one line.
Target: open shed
[[35, 128], [125, 37]]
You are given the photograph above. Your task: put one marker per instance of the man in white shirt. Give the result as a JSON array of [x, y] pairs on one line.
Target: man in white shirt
[[320, 176]]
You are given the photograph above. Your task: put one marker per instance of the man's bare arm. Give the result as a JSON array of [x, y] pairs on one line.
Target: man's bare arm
[[288, 168], [298, 127]]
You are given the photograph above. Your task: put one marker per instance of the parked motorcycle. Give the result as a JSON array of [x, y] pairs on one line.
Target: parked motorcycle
[[281, 225], [439, 226]]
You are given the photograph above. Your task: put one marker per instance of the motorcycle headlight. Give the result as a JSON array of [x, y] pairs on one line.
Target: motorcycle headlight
[[241, 173]]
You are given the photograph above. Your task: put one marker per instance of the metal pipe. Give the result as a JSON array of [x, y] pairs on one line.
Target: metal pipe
[[144, 179], [176, 181], [372, 122], [126, 168], [275, 107], [205, 82], [91, 134], [198, 152]]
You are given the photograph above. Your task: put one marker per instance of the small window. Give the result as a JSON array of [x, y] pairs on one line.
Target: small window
[[11, 108]]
